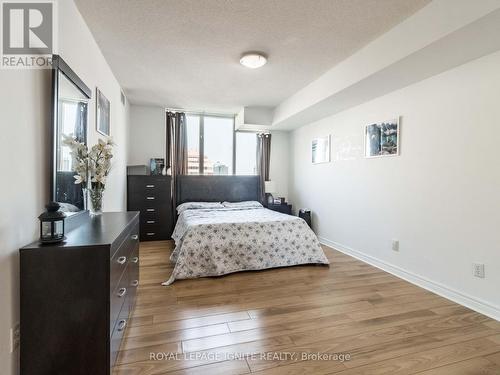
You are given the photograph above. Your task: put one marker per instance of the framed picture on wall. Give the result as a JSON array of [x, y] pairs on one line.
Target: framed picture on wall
[[102, 113], [320, 149], [382, 139]]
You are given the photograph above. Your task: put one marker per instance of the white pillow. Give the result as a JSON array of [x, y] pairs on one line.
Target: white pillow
[[246, 204], [198, 205]]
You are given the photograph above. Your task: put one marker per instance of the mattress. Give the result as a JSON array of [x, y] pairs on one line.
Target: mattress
[[214, 242]]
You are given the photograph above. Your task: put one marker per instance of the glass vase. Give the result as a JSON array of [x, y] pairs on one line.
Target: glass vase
[[95, 200], [85, 195]]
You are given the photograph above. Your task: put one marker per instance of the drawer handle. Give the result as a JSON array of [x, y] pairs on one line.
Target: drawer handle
[[121, 292], [150, 209], [135, 283], [150, 186], [150, 222], [135, 259], [150, 198], [150, 234], [121, 325], [135, 237], [121, 260]]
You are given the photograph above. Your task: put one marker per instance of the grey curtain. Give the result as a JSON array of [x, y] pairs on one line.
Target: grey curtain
[[180, 145], [169, 131], [263, 161], [176, 152]]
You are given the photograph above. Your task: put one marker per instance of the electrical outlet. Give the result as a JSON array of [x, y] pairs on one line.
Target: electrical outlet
[[395, 245], [478, 270], [14, 338]]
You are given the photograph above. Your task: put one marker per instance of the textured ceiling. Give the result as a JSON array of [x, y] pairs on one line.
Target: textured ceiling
[[185, 53]]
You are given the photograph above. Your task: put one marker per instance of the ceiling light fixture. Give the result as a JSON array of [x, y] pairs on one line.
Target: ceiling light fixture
[[253, 60]]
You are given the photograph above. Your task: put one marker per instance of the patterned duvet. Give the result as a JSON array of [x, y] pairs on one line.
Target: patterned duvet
[[213, 242]]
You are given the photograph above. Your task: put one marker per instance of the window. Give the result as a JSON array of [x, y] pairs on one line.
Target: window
[[193, 143], [212, 149], [246, 150], [218, 145]]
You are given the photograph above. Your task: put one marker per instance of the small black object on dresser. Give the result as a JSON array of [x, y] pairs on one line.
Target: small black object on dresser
[[305, 214], [284, 208], [151, 195], [76, 296]]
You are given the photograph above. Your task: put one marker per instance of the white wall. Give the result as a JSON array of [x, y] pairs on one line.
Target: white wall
[[79, 49], [25, 105], [146, 133], [25, 148], [440, 198]]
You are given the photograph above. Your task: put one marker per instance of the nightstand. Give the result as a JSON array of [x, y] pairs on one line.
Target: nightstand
[[284, 208]]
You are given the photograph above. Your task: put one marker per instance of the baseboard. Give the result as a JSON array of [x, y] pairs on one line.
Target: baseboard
[[438, 288]]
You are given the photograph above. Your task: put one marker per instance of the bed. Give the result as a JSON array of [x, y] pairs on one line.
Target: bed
[[218, 239]]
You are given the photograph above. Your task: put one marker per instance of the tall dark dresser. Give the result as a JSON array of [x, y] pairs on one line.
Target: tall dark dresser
[[76, 296], [151, 196]]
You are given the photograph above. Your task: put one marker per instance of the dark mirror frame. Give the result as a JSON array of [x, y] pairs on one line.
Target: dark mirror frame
[[60, 66]]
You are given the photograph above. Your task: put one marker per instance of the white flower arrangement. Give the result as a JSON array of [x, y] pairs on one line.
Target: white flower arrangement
[[100, 162], [92, 167]]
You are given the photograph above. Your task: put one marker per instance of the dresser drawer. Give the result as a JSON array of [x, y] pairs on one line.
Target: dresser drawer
[[155, 232], [122, 256], [133, 270], [153, 212], [118, 266], [138, 202], [120, 326], [117, 298], [115, 342], [118, 332], [151, 234], [157, 227], [144, 185], [134, 260], [149, 220], [129, 239]]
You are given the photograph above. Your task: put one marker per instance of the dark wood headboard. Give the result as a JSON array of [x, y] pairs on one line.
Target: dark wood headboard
[[217, 188]]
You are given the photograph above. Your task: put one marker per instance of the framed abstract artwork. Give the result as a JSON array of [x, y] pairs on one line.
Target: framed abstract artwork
[[320, 148], [382, 139]]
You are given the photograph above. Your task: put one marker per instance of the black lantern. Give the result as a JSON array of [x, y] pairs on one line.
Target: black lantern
[[52, 224]]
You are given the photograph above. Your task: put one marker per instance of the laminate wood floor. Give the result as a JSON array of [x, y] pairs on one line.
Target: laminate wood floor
[[359, 319]]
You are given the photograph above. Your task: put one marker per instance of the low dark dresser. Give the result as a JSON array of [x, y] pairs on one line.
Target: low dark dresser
[[152, 197], [76, 296]]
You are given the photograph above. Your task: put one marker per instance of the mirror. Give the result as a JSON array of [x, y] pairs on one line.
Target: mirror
[[69, 117]]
